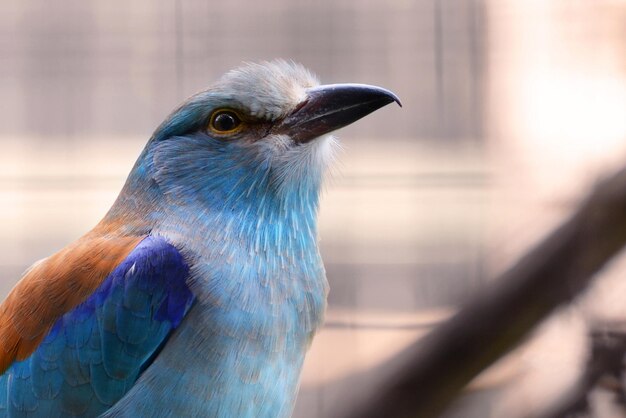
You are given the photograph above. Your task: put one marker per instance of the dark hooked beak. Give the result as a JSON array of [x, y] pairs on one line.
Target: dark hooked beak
[[328, 108]]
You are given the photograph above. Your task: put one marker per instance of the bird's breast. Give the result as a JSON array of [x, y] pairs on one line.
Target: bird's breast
[[261, 278], [240, 349]]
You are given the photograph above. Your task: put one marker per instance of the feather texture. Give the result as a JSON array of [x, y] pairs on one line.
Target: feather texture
[[225, 221], [54, 286], [94, 353]]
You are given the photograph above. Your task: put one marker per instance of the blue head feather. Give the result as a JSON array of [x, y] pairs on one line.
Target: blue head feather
[[186, 164]]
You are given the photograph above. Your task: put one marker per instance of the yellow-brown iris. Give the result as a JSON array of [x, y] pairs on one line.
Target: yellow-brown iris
[[225, 122]]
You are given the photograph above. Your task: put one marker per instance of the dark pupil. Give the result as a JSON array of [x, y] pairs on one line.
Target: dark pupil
[[225, 121]]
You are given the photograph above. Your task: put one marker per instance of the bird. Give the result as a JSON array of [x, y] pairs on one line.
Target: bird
[[200, 291]]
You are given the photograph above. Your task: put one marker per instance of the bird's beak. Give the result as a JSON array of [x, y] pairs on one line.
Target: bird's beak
[[330, 107]]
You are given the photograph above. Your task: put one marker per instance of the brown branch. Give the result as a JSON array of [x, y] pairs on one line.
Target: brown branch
[[436, 368]]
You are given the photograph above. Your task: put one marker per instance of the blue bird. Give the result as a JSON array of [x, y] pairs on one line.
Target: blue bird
[[200, 291]]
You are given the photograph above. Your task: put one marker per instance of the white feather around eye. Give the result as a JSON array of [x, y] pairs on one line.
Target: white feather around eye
[[279, 86]]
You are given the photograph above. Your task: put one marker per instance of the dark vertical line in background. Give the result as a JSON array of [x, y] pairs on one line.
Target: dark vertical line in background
[[178, 30], [438, 18], [320, 399], [476, 36]]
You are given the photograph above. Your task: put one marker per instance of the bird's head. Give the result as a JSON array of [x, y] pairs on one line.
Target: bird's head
[[262, 128]]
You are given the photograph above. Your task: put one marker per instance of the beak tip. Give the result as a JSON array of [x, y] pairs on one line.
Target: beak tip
[[391, 96]]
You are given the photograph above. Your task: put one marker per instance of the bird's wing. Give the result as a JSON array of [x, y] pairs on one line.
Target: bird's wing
[[53, 287], [75, 347]]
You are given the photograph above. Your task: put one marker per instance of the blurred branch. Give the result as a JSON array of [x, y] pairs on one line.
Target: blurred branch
[[553, 273]]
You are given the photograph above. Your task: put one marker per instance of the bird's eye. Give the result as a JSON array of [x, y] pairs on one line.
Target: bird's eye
[[224, 122]]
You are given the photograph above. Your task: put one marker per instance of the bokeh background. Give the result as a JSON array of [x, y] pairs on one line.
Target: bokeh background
[[512, 109]]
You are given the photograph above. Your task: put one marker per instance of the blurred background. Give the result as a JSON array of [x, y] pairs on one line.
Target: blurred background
[[512, 110]]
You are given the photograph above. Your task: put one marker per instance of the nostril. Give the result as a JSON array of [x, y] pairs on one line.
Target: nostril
[[300, 106]]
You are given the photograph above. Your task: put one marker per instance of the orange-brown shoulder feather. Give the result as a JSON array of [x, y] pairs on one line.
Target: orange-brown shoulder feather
[[54, 286]]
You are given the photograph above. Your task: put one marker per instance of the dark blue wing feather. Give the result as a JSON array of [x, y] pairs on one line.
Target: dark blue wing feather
[[94, 353]]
